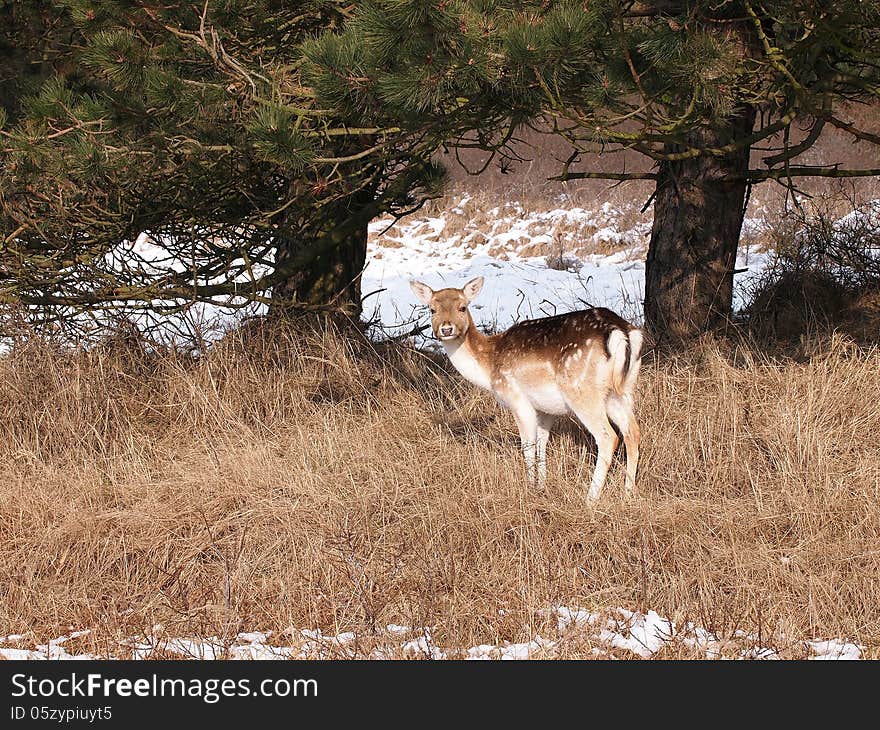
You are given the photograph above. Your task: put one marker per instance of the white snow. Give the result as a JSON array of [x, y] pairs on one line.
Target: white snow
[[612, 633], [644, 634], [511, 249], [866, 216], [536, 264], [423, 647], [835, 649], [53, 649], [508, 651]]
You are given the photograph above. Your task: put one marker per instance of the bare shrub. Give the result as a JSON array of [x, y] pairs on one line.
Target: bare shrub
[[559, 260], [820, 266]]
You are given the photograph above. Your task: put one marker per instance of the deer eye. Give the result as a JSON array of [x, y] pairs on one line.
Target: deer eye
[[462, 309], [433, 311]]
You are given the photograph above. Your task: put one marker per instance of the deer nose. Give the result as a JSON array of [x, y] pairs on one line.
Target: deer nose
[[446, 330]]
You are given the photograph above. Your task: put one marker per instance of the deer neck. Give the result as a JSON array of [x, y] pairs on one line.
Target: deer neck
[[472, 356]]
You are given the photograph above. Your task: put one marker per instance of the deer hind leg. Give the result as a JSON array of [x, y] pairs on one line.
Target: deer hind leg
[[544, 423], [591, 413], [620, 411]]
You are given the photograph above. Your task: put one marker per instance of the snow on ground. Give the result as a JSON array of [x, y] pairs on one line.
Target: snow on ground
[[200, 321], [54, 649], [535, 264], [612, 634], [865, 217]]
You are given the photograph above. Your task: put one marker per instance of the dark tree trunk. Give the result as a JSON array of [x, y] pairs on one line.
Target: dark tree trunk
[[332, 275], [332, 278], [698, 215]]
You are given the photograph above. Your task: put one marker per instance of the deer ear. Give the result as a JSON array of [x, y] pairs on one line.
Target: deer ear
[[472, 288], [422, 291]]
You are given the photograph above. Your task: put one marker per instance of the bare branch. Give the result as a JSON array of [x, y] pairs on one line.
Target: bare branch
[[605, 176], [808, 171], [854, 131]]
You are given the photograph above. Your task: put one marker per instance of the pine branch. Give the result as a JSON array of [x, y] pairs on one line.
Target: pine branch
[[789, 153], [854, 131]]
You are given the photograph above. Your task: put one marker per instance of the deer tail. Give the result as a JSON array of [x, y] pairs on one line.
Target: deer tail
[[625, 353]]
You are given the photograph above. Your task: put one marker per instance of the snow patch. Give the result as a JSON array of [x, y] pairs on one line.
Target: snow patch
[[612, 633], [513, 251]]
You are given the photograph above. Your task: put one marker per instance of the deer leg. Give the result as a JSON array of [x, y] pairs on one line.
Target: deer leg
[[591, 413], [544, 422], [619, 410], [527, 422]]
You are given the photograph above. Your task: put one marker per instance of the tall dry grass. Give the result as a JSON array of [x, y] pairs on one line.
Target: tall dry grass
[[304, 479]]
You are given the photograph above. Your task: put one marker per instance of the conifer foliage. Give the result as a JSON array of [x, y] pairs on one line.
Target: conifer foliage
[[253, 140], [194, 123], [696, 86]]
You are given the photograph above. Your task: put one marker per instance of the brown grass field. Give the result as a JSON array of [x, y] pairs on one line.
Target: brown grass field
[[298, 478]]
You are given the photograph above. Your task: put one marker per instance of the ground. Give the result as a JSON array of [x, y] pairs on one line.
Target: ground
[[308, 494]]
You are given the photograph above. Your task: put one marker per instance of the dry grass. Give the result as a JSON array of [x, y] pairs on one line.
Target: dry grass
[[475, 217], [528, 182], [292, 480]]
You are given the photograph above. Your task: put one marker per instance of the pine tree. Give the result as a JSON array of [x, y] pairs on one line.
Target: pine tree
[[696, 86], [194, 123]]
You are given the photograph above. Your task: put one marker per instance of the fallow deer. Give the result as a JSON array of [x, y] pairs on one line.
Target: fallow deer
[[584, 363]]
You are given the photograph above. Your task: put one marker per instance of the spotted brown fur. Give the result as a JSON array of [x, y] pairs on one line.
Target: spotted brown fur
[[581, 363]]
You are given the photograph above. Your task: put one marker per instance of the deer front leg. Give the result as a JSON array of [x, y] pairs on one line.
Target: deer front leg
[[527, 423], [545, 423]]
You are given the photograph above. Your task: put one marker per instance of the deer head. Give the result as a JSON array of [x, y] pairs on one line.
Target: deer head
[[450, 319]]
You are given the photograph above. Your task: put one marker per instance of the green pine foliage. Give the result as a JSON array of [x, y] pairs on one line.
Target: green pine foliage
[[636, 74], [193, 122], [276, 138], [694, 85], [262, 121]]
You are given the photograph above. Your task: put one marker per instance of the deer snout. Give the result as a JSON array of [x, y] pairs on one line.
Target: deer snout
[[446, 330]]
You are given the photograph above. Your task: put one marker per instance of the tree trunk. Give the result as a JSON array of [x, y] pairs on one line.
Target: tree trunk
[[332, 277], [698, 215]]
